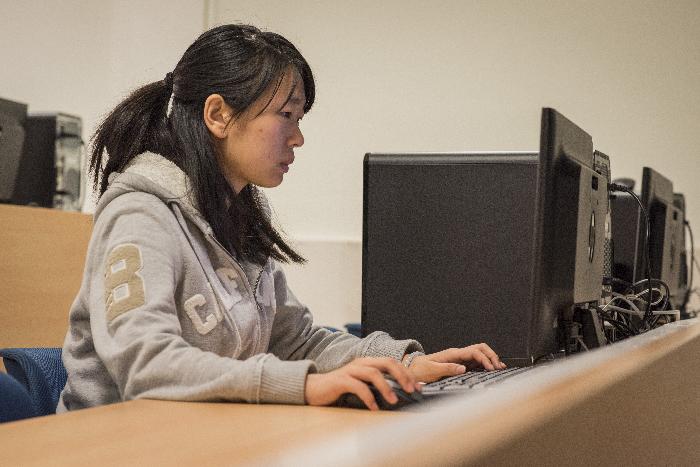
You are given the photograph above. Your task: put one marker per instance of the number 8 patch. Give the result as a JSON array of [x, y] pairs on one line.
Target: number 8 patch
[[124, 288]]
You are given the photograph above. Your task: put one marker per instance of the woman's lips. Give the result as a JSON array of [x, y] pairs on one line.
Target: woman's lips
[[284, 166]]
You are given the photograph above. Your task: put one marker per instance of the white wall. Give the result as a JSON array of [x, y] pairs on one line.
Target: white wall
[[407, 75], [410, 75], [393, 76]]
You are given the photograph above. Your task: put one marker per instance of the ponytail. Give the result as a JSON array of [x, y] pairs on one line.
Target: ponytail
[[137, 124]]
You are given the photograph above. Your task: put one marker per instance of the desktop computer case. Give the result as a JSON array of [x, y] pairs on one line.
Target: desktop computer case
[[469, 279], [12, 119], [51, 170]]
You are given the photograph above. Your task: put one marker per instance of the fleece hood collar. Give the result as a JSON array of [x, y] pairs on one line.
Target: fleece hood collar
[[154, 174]]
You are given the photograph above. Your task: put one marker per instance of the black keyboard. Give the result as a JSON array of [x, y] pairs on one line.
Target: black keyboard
[[471, 380]]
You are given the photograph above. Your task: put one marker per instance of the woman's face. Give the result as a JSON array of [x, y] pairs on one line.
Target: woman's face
[[259, 149]]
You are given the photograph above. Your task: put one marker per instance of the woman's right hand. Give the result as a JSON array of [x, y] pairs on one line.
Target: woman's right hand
[[326, 388]]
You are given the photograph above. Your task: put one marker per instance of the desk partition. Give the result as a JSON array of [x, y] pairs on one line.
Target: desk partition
[[43, 255]]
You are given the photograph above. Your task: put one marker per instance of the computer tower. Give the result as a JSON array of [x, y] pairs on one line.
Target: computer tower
[[12, 119], [601, 164], [466, 279], [51, 169]]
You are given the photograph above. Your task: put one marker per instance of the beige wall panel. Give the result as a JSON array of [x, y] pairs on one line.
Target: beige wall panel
[[43, 255]]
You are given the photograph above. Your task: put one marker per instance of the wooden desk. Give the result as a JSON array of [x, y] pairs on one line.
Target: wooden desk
[[148, 432], [635, 403]]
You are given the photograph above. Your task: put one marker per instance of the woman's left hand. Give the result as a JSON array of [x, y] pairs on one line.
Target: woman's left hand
[[451, 362]]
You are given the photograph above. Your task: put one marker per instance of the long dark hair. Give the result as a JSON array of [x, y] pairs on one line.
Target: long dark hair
[[240, 63]]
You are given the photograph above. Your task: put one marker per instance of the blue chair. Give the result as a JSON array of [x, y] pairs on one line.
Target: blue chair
[[40, 371], [354, 328], [15, 402]]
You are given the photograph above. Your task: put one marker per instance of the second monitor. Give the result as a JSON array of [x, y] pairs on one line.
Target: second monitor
[[666, 212]]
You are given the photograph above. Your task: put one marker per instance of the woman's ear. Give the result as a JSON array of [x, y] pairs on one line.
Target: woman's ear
[[217, 115]]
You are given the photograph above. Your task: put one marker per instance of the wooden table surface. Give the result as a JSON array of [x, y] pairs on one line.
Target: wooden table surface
[[636, 402], [149, 432]]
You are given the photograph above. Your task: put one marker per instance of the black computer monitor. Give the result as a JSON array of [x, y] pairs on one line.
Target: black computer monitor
[[13, 116], [666, 233], [572, 206], [666, 212], [500, 248]]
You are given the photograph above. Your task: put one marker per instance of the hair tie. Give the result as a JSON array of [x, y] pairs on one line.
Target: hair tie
[[168, 80]]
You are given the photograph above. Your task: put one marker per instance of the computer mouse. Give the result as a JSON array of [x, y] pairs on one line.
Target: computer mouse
[[404, 398]]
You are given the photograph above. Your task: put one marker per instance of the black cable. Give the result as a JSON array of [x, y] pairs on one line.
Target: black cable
[[663, 300], [647, 246], [621, 326], [665, 294]]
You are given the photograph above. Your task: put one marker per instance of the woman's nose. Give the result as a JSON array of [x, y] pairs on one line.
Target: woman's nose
[[297, 139]]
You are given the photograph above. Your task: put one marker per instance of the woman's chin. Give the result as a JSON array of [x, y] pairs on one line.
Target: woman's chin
[[271, 183]]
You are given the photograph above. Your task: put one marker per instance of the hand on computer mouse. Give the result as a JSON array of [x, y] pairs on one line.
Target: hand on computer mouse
[[404, 398], [355, 378], [450, 362]]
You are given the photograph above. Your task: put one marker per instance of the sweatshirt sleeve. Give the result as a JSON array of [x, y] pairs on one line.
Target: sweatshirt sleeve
[[294, 336], [135, 272]]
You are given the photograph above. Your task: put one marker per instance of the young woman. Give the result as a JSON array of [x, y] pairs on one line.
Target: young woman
[[182, 296]]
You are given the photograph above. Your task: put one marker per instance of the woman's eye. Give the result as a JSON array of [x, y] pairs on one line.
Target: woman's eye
[[287, 115]]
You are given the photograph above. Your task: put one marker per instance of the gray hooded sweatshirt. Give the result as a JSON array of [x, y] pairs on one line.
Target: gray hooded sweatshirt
[[165, 312]]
